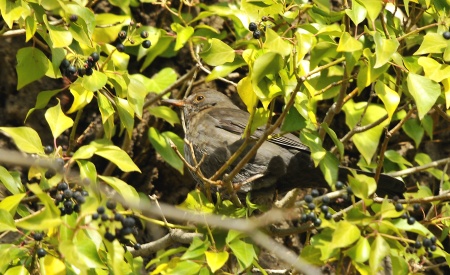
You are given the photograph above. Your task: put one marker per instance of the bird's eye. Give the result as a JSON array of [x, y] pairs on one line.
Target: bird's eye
[[199, 98]]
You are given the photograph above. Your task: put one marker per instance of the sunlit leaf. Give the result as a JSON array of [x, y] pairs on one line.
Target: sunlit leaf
[[25, 138], [424, 91], [57, 120], [32, 64]]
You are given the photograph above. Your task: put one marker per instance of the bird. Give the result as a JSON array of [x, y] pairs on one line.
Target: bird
[[215, 127]]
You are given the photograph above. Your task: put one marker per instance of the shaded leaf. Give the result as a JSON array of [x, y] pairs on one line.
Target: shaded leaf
[[32, 64]]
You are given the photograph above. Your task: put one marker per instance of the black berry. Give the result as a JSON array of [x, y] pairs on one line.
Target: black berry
[[68, 204], [105, 217], [122, 35], [89, 71], [59, 162], [304, 218], [120, 47], [417, 244], [315, 193], [101, 210], [257, 34], [109, 236], [95, 216], [325, 200], [433, 247], [427, 242], [146, 44], [144, 34], [339, 185], [118, 217], [62, 210], [69, 211], [311, 206], [311, 216], [58, 198], [137, 246], [349, 190], [324, 208], [411, 220], [328, 216], [398, 207], [49, 149], [95, 56], [128, 222], [111, 205], [416, 207], [64, 64], [84, 193], [125, 231], [73, 18], [71, 70], [38, 236], [68, 194], [40, 252], [446, 35], [50, 173], [76, 208], [433, 239], [62, 186], [317, 222], [252, 26], [308, 198]]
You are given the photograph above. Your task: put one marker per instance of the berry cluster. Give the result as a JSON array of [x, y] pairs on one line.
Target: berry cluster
[[124, 224], [429, 244], [253, 27], [77, 67], [124, 36], [39, 236], [70, 200]]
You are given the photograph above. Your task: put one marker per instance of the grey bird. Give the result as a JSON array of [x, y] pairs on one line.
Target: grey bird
[[215, 127]]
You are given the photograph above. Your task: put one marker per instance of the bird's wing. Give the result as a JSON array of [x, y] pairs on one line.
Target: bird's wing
[[238, 122]]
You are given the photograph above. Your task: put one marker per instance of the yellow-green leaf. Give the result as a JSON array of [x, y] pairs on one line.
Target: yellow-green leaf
[[216, 260], [25, 138], [390, 98], [57, 120]]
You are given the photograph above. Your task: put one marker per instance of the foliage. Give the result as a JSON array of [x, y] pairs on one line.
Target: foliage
[[384, 66]]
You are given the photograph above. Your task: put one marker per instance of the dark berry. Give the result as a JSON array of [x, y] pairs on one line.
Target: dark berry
[[64, 64], [317, 222], [80, 71], [328, 216], [304, 218], [95, 56], [349, 190], [38, 236], [62, 186], [311, 216], [105, 217], [69, 211], [68, 204], [427, 242], [118, 217], [137, 246], [315, 193], [252, 26], [120, 47], [62, 210], [111, 205], [89, 71], [433, 247], [49, 149], [58, 198], [308, 198], [128, 222], [144, 34], [89, 63], [311, 206], [76, 208], [84, 193], [416, 207], [411, 220], [109, 236], [68, 194], [59, 163], [339, 185], [395, 198], [101, 210], [433, 239], [429, 254], [417, 244], [324, 208], [404, 216], [50, 174], [73, 18], [40, 252], [122, 35], [146, 44], [257, 34], [126, 231], [325, 200], [446, 35], [95, 216], [71, 70], [398, 207]]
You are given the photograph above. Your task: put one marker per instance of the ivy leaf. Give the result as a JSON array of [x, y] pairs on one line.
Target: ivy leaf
[[384, 49], [166, 113], [42, 100], [32, 64], [216, 260], [345, 234], [357, 14], [124, 189], [183, 34], [244, 252], [390, 98], [433, 69], [348, 43], [218, 53], [6, 221], [14, 186], [162, 146], [117, 156], [94, 82], [378, 251], [360, 252], [414, 130], [432, 43], [276, 43], [57, 120], [424, 91], [59, 36], [25, 138]]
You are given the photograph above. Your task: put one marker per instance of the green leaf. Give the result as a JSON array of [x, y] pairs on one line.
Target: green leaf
[[246, 94], [348, 43], [10, 203], [42, 100], [159, 47], [360, 252], [417, 227], [126, 115], [13, 186], [196, 250], [312, 140], [433, 69], [32, 64], [216, 260], [105, 106], [218, 53], [57, 120], [197, 201], [390, 98], [225, 69], [373, 8], [162, 146], [166, 113], [244, 252], [30, 28], [384, 49], [329, 166], [136, 96], [124, 189], [357, 14], [183, 34], [84, 152], [186, 268], [367, 141], [378, 251], [293, 121], [362, 186], [414, 130], [159, 81], [276, 43], [334, 137], [396, 157], [265, 72], [424, 91], [81, 97], [432, 43], [25, 138], [345, 234], [17, 270], [6, 221], [59, 35], [117, 156], [94, 82]]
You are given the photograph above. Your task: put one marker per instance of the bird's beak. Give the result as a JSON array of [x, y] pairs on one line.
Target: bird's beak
[[175, 102]]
